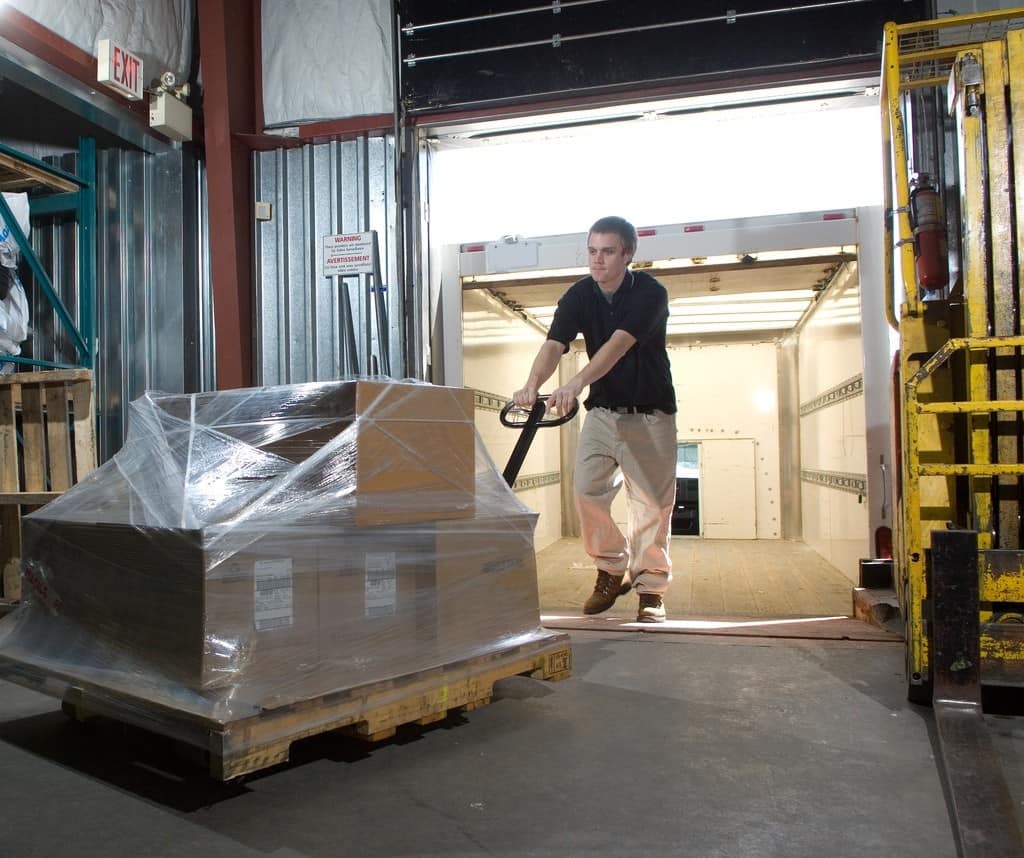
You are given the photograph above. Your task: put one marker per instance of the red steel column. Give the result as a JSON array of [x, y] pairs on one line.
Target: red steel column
[[227, 35]]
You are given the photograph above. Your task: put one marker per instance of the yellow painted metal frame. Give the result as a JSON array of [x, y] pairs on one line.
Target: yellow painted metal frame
[[932, 54]]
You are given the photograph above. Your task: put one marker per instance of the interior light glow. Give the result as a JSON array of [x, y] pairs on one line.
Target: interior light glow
[[662, 188], [737, 307], [723, 316], [764, 401], [539, 274], [745, 297], [727, 327], [492, 338]]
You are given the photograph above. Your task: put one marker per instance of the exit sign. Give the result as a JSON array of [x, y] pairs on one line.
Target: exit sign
[[119, 69]]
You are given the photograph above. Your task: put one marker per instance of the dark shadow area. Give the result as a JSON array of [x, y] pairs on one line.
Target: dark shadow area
[[521, 688], [686, 511], [150, 766], [171, 773], [997, 700]]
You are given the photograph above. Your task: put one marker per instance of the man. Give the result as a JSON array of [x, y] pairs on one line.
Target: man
[[629, 433]]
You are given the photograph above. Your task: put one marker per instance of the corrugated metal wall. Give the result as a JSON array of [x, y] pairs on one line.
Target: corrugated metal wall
[[151, 292], [310, 327]]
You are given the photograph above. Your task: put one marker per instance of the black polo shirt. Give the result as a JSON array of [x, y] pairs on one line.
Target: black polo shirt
[[643, 376]]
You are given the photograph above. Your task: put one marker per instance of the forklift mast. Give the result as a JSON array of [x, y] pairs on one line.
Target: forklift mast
[[953, 131], [953, 123]]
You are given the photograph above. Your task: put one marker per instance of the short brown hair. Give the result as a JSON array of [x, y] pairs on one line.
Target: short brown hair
[[621, 227]]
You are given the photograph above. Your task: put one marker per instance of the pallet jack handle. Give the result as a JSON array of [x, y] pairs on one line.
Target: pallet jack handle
[[530, 421]]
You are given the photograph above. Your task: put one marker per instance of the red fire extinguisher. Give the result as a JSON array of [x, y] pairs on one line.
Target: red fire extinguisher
[[931, 257]]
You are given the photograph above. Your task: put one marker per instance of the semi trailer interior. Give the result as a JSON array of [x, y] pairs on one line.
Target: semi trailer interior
[[767, 331]]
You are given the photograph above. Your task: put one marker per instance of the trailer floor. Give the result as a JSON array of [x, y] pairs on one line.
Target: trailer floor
[[658, 744], [711, 578]]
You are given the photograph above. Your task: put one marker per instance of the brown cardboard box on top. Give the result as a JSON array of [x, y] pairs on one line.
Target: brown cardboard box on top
[[486, 582], [415, 453], [167, 602], [411, 458]]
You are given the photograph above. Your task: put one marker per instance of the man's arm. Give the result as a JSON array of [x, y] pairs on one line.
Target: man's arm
[[603, 360], [544, 365]]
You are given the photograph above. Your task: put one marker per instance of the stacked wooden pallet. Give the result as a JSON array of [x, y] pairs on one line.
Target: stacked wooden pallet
[[47, 444]]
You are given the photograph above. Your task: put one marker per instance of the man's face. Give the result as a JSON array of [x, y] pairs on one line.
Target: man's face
[[608, 259]]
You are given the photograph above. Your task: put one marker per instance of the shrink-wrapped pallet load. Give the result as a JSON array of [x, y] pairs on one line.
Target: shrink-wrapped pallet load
[[250, 549]]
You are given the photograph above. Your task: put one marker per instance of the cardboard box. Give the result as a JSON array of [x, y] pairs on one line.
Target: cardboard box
[[486, 582], [411, 456], [198, 616], [415, 452], [378, 604], [290, 613]]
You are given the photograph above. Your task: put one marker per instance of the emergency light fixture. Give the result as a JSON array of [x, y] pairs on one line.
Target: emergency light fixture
[[170, 116]]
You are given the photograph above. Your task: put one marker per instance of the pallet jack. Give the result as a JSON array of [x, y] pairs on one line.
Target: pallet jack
[[528, 421]]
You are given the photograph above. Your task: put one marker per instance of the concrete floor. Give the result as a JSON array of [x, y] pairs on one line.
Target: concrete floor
[[746, 726], [657, 745]]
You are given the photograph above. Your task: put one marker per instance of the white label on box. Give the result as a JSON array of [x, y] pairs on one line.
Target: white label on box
[[381, 584], [273, 594]]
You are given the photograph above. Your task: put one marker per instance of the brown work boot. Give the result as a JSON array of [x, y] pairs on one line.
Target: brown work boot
[[627, 584], [652, 609], [606, 591]]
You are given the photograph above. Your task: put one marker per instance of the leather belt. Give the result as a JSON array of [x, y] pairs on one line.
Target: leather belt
[[631, 409]]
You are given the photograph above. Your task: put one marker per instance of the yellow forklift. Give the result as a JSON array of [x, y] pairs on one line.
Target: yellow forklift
[[953, 124]]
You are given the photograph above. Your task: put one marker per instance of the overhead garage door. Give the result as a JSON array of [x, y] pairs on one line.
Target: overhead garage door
[[462, 55]]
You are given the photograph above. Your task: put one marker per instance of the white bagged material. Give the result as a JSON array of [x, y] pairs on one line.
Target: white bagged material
[[13, 323], [18, 204]]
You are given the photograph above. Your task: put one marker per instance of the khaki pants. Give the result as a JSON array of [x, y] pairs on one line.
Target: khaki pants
[[640, 451]]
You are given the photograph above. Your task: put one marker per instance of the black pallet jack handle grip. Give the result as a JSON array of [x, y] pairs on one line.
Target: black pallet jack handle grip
[[534, 420]]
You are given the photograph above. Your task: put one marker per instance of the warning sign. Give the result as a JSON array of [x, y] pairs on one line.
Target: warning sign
[[348, 254]]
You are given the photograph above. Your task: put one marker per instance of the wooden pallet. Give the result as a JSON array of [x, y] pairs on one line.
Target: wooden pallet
[[47, 444], [371, 712]]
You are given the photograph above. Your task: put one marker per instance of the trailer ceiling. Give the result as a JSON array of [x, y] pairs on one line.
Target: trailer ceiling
[[738, 300]]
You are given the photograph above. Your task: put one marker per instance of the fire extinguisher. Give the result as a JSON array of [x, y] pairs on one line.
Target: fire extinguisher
[[930, 255]]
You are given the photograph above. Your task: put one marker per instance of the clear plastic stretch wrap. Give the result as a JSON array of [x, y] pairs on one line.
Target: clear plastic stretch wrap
[[247, 549]]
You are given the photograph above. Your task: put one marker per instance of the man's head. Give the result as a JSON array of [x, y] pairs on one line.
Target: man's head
[[611, 244]]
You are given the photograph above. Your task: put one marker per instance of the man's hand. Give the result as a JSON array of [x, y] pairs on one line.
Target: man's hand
[[525, 397], [563, 398]]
